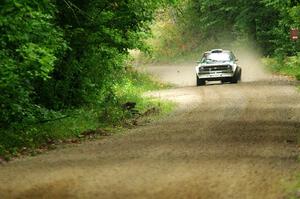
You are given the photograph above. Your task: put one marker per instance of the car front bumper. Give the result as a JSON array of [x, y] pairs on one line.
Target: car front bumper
[[214, 75]]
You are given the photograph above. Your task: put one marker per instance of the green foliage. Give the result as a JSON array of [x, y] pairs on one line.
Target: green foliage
[[197, 25], [90, 117], [57, 55], [63, 55], [99, 34], [30, 45], [289, 66]]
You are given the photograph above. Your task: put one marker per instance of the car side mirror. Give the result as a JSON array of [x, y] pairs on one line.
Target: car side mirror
[[236, 59], [198, 62]]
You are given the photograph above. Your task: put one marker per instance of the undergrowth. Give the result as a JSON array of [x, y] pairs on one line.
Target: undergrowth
[[74, 124], [289, 66]]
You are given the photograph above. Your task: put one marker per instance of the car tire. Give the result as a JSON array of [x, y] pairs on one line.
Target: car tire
[[237, 76], [224, 81], [200, 82], [240, 75]]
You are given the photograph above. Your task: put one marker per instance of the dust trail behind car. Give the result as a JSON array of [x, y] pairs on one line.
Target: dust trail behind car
[[183, 74], [250, 61]]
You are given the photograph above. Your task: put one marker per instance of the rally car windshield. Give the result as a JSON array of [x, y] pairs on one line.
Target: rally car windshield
[[216, 57]]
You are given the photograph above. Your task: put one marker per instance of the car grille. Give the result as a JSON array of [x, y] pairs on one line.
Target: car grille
[[221, 68]]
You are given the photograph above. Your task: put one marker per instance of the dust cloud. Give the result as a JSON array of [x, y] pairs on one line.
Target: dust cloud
[[250, 62], [183, 74]]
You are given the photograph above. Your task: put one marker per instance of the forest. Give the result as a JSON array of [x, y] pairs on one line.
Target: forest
[[66, 57], [195, 25]]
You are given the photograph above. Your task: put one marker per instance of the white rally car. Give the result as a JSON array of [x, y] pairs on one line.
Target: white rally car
[[218, 65]]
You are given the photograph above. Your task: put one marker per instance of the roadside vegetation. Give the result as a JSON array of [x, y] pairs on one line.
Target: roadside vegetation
[[289, 66], [65, 68], [89, 121], [190, 27]]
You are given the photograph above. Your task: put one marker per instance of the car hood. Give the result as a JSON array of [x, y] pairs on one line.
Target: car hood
[[216, 64]]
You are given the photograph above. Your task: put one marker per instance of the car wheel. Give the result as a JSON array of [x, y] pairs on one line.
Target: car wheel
[[200, 82], [237, 76], [240, 75], [224, 81]]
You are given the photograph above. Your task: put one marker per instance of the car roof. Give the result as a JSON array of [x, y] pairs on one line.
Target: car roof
[[217, 51]]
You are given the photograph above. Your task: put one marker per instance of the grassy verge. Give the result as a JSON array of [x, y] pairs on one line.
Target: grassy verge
[[290, 66], [292, 190], [88, 122]]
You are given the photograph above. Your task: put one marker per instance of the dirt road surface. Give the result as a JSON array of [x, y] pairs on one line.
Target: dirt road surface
[[223, 141]]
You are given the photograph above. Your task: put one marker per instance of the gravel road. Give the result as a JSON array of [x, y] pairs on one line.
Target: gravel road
[[223, 141]]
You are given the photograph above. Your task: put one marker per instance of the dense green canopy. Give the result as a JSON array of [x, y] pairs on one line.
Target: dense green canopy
[[65, 53], [266, 23]]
